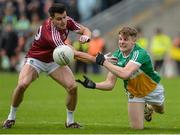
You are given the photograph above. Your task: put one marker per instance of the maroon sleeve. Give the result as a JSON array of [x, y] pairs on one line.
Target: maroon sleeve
[[72, 25]]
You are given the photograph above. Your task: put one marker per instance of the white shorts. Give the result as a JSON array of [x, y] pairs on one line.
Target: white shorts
[[156, 97], [42, 66]]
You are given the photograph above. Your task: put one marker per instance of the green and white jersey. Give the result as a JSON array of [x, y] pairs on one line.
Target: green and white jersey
[[145, 80]]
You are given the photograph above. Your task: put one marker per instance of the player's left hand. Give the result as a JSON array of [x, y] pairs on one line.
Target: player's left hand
[[88, 83], [84, 39], [100, 59]]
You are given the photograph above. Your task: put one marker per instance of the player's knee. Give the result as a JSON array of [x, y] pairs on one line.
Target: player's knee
[[72, 89], [22, 86]]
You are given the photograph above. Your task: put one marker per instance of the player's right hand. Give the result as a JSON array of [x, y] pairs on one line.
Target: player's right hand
[[88, 83], [84, 39]]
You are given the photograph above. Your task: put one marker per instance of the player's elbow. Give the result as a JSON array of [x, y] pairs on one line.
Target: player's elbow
[[110, 87], [125, 75], [106, 87]]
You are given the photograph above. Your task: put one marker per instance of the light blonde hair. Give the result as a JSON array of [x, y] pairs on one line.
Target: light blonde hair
[[128, 32]]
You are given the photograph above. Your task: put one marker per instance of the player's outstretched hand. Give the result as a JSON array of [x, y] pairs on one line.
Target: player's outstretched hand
[[110, 58], [88, 83], [84, 39]]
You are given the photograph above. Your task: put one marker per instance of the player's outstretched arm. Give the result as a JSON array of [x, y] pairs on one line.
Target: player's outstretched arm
[[106, 85], [85, 57], [88, 83], [85, 34], [121, 72]]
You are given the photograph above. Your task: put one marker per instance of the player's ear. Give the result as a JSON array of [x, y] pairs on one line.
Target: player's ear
[[51, 18], [134, 39]]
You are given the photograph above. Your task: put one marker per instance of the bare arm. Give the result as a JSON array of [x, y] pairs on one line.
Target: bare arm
[[85, 34], [84, 56], [122, 72], [84, 31], [108, 84]]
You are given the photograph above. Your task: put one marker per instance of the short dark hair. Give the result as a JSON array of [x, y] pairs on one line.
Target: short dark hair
[[57, 8], [128, 31]]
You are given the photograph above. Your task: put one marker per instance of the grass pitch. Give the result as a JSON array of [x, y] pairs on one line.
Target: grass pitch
[[43, 110]]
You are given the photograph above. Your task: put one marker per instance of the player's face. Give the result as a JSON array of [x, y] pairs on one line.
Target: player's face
[[126, 44], [60, 20]]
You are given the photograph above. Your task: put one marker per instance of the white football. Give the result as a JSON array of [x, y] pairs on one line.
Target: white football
[[63, 55]]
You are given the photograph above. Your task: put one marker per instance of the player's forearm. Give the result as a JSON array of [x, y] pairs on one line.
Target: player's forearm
[[87, 32], [104, 86], [84, 57], [118, 71]]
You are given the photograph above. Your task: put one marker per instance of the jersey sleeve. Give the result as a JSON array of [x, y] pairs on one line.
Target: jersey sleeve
[[73, 25], [139, 57]]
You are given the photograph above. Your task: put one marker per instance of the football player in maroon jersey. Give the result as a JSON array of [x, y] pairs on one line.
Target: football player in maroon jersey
[[52, 33]]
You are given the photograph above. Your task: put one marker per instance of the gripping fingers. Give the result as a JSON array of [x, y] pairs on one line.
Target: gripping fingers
[[85, 77], [84, 38], [112, 59], [79, 81], [107, 55]]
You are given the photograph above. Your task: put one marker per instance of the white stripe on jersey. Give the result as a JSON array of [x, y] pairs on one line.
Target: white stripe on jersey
[[77, 25], [137, 63], [53, 37], [52, 31], [56, 36], [135, 55]]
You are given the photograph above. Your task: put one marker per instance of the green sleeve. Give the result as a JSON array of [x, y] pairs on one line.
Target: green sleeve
[[140, 57]]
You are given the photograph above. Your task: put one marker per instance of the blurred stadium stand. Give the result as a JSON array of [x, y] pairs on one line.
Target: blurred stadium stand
[[148, 14], [108, 17]]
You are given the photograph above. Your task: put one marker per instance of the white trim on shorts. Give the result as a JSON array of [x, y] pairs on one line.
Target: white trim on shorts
[[40, 66], [156, 97]]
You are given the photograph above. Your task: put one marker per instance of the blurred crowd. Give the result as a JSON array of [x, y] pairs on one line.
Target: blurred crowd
[[164, 50], [20, 19]]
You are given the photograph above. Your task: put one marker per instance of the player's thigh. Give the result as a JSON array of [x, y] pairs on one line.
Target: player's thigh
[[27, 74], [136, 114], [64, 76], [156, 97]]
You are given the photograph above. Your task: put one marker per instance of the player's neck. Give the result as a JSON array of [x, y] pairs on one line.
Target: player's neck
[[126, 53], [55, 26]]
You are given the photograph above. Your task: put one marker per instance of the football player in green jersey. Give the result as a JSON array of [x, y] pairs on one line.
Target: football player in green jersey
[[142, 83]]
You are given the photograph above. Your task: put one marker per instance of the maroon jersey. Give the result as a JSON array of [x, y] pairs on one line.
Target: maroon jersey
[[49, 37]]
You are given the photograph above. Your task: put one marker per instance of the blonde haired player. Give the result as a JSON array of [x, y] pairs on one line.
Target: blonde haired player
[[142, 83]]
